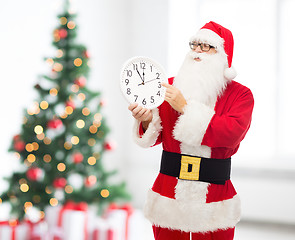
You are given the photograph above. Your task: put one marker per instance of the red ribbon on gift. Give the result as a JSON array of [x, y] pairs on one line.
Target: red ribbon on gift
[[129, 210], [12, 224], [31, 229], [70, 205], [110, 234]]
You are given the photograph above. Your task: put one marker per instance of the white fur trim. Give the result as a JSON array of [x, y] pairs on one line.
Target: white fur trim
[[210, 37], [230, 73], [191, 126], [202, 151], [192, 215], [150, 136]]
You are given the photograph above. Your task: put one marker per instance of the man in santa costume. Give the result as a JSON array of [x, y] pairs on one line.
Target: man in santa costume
[[201, 123]]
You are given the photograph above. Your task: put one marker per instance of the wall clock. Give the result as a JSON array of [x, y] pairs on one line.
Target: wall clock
[[140, 82]]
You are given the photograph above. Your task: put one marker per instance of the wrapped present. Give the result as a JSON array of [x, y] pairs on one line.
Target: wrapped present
[[68, 222], [103, 230], [37, 230], [126, 222], [118, 217], [14, 230], [25, 230]]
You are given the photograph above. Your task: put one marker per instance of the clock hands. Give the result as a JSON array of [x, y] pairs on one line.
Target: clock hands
[[142, 78], [148, 81]]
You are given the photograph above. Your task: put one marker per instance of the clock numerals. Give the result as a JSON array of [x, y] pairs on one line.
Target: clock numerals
[[152, 99], [129, 73], [141, 82], [136, 97], [158, 75], [142, 65], [143, 102]]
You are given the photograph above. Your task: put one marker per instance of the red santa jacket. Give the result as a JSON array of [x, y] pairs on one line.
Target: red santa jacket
[[205, 131]]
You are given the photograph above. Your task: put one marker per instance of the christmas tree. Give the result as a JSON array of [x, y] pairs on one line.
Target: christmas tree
[[63, 136]]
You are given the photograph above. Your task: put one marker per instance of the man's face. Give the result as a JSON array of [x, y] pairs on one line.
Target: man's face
[[202, 48], [201, 76]]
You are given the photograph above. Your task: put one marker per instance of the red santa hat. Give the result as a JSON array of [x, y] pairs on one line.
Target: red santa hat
[[222, 39]]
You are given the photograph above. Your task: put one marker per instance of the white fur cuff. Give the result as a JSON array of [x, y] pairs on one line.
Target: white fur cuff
[[150, 136], [192, 125]]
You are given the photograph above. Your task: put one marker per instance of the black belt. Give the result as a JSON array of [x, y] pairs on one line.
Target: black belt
[[188, 167]]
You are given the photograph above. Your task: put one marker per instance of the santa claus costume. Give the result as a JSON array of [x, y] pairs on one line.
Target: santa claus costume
[[193, 194]]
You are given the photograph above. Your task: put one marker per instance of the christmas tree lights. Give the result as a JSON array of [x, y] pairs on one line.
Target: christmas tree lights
[[63, 135]]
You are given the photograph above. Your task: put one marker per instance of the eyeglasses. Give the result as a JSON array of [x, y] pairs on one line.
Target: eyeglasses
[[204, 46]]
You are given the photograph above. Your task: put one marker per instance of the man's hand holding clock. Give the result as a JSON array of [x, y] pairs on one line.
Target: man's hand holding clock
[[173, 96], [141, 114]]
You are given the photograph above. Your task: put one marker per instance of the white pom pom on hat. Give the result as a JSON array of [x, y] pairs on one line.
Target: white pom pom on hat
[[221, 38], [230, 73]]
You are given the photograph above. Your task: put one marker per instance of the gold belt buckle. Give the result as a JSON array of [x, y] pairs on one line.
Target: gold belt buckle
[[190, 168]]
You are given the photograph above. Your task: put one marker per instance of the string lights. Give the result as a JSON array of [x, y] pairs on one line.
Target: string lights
[[69, 110], [71, 25], [75, 140], [75, 88], [38, 129], [78, 62], [81, 96], [104, 193], [67, 145], [59, 53], [47, 158], [91, 160], [63, 20], [69, 189], [47, 140], [53, 91], [80, 123], [91, 142], [85, 111], [53, 202], [44, 105], [61, 167], [24, 187], [57, 67], [93, 129], [31, 158]]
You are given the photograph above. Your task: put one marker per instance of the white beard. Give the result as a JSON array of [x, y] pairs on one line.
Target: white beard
[[204, 80]]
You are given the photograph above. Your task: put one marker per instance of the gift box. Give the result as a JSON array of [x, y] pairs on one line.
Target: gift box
[[103, 230], [13, 230], [37, 230], [126, 222], [25, 230], [67, 222]]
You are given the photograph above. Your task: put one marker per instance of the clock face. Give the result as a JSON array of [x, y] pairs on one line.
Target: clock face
[[141, 79]]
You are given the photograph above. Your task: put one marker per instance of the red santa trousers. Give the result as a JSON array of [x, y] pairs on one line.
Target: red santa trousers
[[168, 234]]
